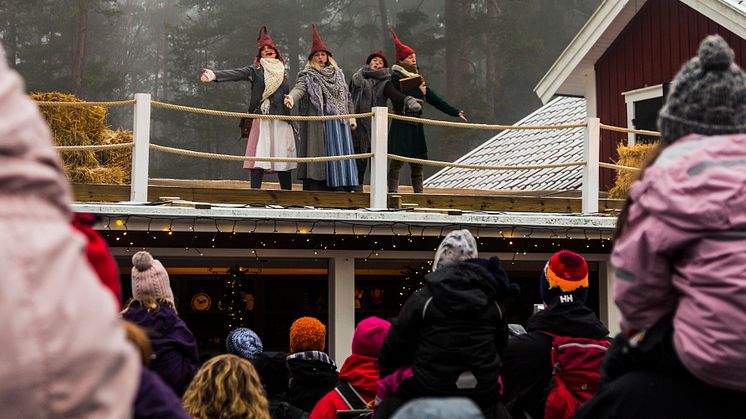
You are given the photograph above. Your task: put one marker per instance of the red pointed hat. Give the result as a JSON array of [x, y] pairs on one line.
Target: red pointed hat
[[316, 43], [264, 40], [402, 51]]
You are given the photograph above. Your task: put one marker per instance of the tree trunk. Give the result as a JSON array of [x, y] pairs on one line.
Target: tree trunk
[[12, 42], [296, 11], [490, 78], [79, 51], [388, 47], [454, 16]]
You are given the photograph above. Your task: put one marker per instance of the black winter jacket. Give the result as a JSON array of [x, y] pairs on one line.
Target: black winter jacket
[[453, 333], [310, 381], [254, 74], [527, 368]]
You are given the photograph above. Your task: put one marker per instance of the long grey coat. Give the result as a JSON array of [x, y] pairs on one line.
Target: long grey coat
[[311, 133]]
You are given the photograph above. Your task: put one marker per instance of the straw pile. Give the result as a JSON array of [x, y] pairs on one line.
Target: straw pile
[[86, 126], [633, 156]]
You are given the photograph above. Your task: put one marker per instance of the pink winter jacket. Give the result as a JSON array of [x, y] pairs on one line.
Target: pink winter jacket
[[63, 351], [683, 251]]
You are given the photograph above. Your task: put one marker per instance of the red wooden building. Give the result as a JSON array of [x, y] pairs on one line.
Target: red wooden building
[[622, 60]]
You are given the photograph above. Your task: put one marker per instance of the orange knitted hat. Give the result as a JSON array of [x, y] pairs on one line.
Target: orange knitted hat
[[307, 334]]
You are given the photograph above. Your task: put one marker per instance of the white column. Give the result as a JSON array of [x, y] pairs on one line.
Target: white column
[[341, 307], [141, 150], [591, 139], [609, 312], [378, 165]]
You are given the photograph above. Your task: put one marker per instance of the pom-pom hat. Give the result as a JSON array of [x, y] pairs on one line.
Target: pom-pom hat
[[708, 95], [377, 54], [566, 272], [149, 279]]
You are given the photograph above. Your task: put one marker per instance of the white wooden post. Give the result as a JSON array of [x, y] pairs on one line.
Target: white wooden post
[[591, 143], [341, 307], [608, 310], [378, 165], [141, 150]]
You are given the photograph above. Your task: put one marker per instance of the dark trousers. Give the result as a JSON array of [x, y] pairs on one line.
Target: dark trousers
[[257, 175], [417, 176]]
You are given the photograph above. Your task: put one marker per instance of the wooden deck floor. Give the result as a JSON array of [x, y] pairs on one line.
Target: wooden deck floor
[[239, 192]]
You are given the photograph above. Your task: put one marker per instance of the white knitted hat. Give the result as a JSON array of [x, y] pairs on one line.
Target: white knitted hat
[[150, 279]]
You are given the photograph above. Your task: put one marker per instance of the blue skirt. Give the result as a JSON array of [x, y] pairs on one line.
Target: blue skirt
[[338, 142]]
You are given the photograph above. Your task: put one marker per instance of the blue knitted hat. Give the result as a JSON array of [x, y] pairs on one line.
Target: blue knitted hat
[[244, 343]]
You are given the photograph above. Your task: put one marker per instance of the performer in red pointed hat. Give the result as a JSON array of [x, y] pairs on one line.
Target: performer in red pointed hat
[[371, 86], [321, 89], [269, 85], [407, 138]]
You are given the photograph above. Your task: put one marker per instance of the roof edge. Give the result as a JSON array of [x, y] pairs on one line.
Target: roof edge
[[578, 48]]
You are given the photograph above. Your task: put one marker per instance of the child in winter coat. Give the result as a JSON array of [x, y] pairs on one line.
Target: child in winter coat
[[152, 308], [679, 253], [527, 365], [371, 86], [358, 373], [313, 373], [452, 332], [268, 86], [321, 90], [408, 138]]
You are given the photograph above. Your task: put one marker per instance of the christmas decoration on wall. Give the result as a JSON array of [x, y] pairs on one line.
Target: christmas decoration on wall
[[232, 303], [201, 302]]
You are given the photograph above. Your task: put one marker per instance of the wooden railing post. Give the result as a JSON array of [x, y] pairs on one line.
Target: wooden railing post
[[141, 150], [378, 167], [591, 144]]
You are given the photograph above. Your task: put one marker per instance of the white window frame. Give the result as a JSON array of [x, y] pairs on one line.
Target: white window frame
[[638, 95]]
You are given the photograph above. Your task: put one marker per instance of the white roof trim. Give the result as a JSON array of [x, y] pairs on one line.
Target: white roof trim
[[606, 23], [578, 48], [727, 15]]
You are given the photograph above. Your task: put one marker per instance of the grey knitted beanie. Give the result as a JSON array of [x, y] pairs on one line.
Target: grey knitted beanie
[[708, 96]]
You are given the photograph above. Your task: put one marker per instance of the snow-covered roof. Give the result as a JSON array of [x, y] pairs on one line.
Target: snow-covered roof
[[529, 147]]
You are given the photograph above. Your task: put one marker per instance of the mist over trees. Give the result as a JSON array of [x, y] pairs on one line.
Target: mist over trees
[[484, 56]]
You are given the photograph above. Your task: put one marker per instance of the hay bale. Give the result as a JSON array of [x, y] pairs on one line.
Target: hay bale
[[634, 156], [85, 125]]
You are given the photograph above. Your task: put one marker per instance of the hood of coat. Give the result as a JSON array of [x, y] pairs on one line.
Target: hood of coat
[[463, 287], [697, 183], [567, 319], [160, 325], [361, 372], [29, 166]]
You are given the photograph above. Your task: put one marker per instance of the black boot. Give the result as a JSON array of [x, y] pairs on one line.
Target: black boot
[[286, 180], [256, 178]]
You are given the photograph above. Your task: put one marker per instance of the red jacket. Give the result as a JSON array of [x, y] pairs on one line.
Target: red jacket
[[358, 370]]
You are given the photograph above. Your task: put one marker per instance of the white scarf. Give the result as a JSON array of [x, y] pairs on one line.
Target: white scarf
[[274, 74]]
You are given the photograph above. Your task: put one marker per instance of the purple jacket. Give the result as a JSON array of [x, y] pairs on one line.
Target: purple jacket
[[683, 251], [156, 400], [176, 358]]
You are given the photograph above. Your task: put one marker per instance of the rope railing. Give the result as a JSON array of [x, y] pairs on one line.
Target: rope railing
[[93, 147], [618, 167], [213, 112], [630, 130], [469, 125], [109, 104], [216, 156], [478, 166]]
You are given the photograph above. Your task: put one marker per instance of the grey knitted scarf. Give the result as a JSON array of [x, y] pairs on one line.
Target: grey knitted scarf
[[327, 90], [366, 82]]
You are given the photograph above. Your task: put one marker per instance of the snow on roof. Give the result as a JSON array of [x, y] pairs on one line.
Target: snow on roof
[[529, 147]]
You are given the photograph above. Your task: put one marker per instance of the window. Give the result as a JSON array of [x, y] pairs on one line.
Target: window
[[642, 111]]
